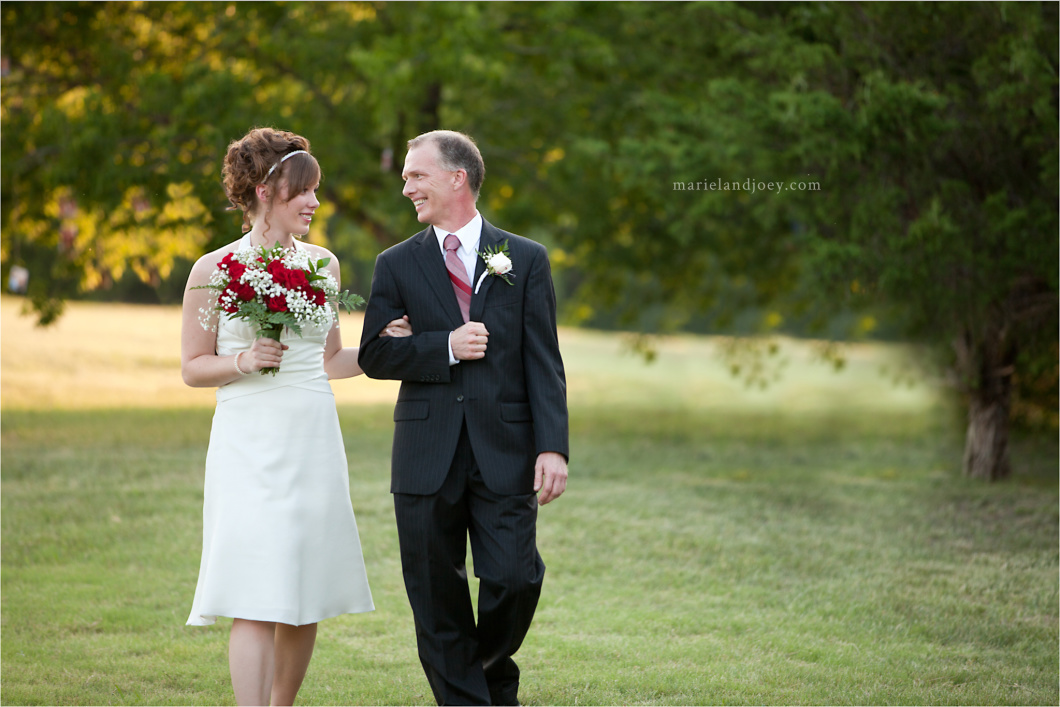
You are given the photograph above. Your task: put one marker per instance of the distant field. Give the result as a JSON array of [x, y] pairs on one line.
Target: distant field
[[115, 355], [106, 355]]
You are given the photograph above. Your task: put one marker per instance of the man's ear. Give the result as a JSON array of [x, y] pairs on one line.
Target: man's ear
[[459, 179]]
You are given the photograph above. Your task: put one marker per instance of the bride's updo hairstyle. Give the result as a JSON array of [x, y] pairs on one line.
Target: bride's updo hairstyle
[[250, 159]]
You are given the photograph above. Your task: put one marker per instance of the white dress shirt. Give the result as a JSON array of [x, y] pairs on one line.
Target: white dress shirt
[[469, 234]]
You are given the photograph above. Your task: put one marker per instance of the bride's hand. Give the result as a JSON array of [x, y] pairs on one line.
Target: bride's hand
[[264, 353], [398, 328]]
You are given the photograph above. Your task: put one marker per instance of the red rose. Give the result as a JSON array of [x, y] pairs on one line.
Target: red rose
[[236, 270], [314, 295], [297, 279], [280, 274], [245, 292], [225, 262], [277, 304]]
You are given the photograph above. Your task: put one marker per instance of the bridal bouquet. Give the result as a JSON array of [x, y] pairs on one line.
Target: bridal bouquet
[[273, 288]]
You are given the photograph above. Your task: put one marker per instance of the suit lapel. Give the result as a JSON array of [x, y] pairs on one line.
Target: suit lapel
[[488, 239], [431, 262]]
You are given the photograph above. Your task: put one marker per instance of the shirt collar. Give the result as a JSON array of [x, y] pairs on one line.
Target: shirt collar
[[469, 234]]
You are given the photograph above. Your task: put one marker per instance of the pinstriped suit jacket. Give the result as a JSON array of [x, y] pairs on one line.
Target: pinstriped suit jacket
[[514, 399]]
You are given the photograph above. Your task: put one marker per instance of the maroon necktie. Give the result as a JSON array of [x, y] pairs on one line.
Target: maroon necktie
[[458, 276]]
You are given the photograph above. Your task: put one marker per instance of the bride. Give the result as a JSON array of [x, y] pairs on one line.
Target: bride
[[280, 549]]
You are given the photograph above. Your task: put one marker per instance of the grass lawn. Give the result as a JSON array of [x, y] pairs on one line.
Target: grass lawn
[[812, 543]]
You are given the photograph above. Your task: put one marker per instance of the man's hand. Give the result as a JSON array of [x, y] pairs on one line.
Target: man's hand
[[469, 341], [550, 476]]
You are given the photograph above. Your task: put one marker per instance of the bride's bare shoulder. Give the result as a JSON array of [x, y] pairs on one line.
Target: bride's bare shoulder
[[205, 265], [317, 252]]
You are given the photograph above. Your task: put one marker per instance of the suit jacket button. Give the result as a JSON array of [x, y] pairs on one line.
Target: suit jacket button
[[460, 398]]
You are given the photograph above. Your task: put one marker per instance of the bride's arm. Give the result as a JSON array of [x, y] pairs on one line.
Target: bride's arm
[[340, 362]]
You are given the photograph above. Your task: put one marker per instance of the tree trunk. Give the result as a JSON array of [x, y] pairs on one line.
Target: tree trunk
[[986, 445], [431, 108], [988, 365]]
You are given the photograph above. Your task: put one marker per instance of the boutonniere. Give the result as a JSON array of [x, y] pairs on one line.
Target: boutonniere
[[498, 263]]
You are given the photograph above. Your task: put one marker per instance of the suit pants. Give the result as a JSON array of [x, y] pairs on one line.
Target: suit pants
[[468, 664]]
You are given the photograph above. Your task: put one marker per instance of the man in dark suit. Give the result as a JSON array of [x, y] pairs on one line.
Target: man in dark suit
[[481, 432]]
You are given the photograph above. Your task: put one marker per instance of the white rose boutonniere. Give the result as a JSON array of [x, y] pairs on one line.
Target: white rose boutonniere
[[498, 263]]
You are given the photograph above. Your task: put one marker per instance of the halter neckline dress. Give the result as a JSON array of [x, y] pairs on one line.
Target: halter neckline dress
[[280, 538]]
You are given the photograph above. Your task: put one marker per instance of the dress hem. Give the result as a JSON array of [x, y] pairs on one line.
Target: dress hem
[[211, 619]]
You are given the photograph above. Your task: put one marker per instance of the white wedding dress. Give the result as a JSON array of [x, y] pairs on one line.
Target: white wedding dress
[[279, 539]]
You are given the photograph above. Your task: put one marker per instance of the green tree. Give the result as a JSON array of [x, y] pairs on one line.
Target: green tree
[[113, 118], [930, 130], [684, 160], [116, 117], [951, 210]]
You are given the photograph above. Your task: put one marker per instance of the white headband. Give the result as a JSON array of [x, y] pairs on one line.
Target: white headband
[[282, 160]]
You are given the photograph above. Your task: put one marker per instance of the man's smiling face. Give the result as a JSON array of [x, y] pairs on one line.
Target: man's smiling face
[[428, 185]]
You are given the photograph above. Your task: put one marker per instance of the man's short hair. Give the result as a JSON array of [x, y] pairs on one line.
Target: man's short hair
[[456, 151]]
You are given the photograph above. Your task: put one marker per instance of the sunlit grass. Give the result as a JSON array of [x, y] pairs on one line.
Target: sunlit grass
[[129, 356], [108, 355]]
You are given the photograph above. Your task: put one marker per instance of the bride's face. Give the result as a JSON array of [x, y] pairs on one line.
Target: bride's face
[[294, 213]]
